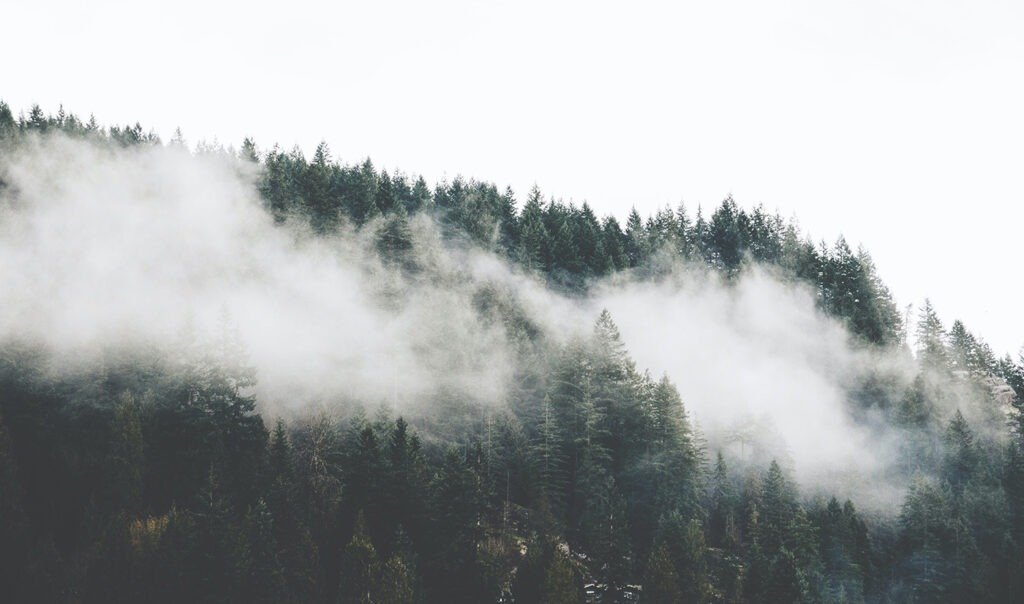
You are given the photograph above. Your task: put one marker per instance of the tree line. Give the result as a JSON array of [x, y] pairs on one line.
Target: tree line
[[151, 475]]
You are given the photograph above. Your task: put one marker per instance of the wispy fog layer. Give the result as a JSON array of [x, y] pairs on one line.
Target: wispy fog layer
[[99, 247], [763, 373], [138, 245]]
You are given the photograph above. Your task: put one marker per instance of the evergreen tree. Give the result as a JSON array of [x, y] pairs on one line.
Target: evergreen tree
[[396, 582], [394, 241], [316, 191], [559, 583], [931, 339], [961, 456], [126, 457], [363, 184], [724, 236], [637, 250], [258, 570], [456, 510], [661, 582], [359, 569], [533, 233]]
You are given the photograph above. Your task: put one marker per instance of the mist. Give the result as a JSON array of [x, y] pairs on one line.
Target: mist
[[104, 247], [765, 375]]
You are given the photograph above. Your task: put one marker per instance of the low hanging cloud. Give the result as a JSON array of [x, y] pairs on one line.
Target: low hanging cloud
[[102, 246], [763, 373]]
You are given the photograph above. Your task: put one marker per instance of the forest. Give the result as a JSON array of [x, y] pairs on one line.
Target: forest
[[499, 442]]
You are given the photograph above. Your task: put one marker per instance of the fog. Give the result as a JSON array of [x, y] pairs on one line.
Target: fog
[[102, 247], [765, 375]]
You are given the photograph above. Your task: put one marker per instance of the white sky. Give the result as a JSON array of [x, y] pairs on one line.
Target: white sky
[[899, 124]]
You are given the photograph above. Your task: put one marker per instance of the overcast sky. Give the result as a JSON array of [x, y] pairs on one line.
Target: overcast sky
[[898, 124]]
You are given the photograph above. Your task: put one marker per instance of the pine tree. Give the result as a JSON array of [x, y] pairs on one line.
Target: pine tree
[[724, 236], [364, 476], [456, 511], [8, 127], [394, 241], [396, 582], [684, 236], [687, 551], [126, 457], [559, 584], [661, 582], [786, 583], [720, 505], [961, 456], [534, 237], [386, 197], [360, 570], [419, 199], [248, 152], [508, 223], [363, 193], [316, 191], [259, 574], [915, 409], [637, 249], [319, 462], [296, 550], [549, 460], [604, 528], [403, 506], [931, 339], [615, 244], [210, 544]]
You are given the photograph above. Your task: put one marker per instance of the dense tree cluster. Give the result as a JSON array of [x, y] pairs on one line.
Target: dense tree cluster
[[151, 476], [565, 242]]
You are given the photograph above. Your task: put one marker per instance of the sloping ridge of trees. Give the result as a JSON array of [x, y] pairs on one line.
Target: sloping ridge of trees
[[153, 478]]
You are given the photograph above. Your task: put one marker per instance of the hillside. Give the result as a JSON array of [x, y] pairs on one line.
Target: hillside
[[242, 375]]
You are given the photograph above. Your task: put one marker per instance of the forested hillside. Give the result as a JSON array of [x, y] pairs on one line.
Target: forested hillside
[[507, 455]]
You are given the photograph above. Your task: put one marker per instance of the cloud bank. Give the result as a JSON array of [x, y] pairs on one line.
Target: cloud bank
[[104, 246]]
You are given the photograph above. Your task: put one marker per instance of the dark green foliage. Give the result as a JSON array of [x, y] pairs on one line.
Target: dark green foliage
[[661, 581], [396, 584], [14, 523], [931, 339], [259, 574], [126, 457], [394, 242], [155, 479], [452, 572], [559, 584], [845, 550], [359, 568], [961, 455], [546, 575]]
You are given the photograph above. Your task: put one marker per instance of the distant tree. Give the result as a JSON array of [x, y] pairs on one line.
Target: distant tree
[[724, 236], [316, 191], [456, 509], [259, 574], [961, 455], [931, 339], [637, 249], [396, 582], [661, 582], [534, 237], [394, 241], [126, 457], [359, 568], [559, 583]]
